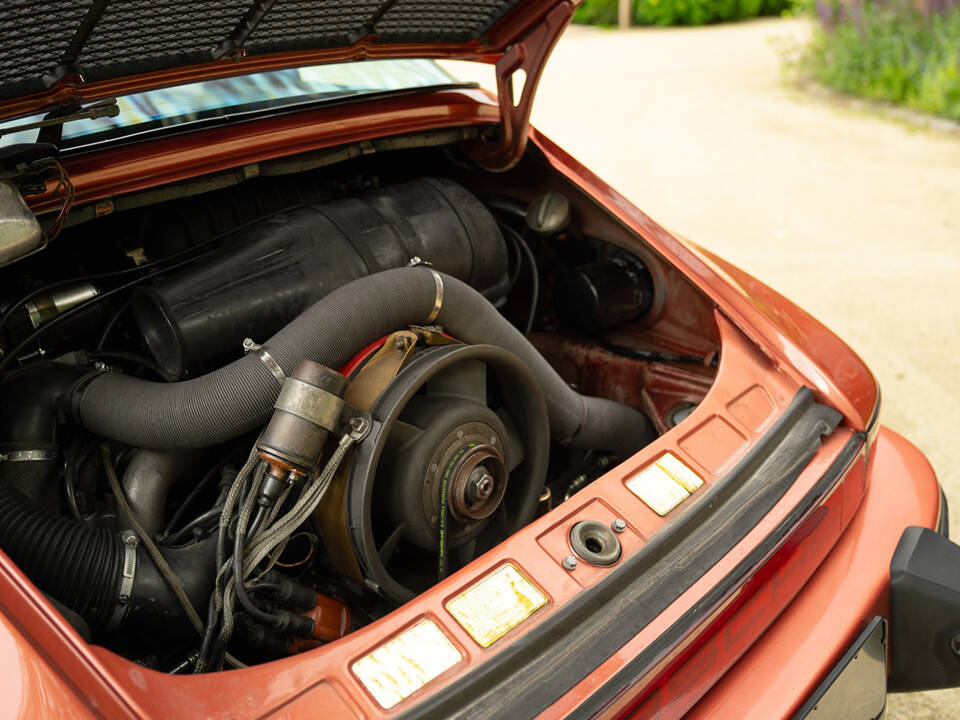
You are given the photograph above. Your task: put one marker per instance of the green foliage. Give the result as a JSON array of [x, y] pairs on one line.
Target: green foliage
[[679, 12], [892, 54], [597, 12]]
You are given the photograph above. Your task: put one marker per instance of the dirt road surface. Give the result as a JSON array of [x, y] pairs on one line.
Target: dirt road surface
[[854, 217]]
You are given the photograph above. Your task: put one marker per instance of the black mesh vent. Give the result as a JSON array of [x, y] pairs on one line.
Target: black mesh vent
[[33, 37], [152, 34], [134, 36], [296, 24], [438, 21]]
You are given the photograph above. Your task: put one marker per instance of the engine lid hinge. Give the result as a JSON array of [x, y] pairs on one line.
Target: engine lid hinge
[[523, 61]]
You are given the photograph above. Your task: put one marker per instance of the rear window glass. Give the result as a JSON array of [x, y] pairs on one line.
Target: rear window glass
[[234, 96]]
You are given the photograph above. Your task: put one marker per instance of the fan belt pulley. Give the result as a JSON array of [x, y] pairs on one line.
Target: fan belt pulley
[[455, 463]]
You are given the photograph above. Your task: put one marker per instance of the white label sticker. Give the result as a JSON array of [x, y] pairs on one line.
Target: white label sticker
[[679, 471], [665, 484], [400, 667], [495, 605]]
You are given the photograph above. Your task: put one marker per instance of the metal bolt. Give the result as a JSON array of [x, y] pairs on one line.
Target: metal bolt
[[619, 525], [358, 425], [131, 540], [248, 344], [955, 644], [485, 485], [481, 485], [569, 563], [123, 599], [100, 366]]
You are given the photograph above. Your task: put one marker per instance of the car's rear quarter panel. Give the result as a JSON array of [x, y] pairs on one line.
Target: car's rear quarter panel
[[851, 586]]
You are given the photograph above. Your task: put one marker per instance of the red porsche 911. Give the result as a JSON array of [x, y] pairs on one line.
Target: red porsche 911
[[330, 387]]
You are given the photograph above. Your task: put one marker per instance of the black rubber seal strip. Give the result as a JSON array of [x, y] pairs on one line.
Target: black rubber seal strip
[[644, 662], [875, 415], [535, 671]]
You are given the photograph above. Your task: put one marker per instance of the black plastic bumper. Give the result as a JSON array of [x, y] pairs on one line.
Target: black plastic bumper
[[925, 611]]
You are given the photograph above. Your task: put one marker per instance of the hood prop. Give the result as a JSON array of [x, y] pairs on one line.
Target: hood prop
[[529, 56]]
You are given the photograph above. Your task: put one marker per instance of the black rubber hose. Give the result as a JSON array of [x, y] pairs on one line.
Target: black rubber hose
[[32, 399], [239, 397], [78, 565], [81, 567]]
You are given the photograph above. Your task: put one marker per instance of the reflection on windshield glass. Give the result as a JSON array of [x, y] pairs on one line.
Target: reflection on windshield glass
[[217, 98]]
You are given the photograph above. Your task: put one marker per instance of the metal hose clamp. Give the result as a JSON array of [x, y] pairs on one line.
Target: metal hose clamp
[[438, 300], [417, 261], [266, 358], [130, 542], [27, 455]]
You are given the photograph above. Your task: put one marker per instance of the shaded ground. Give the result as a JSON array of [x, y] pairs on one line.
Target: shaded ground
[[854, 217]]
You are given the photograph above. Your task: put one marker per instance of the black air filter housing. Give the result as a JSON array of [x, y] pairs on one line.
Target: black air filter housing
[[264, 276]]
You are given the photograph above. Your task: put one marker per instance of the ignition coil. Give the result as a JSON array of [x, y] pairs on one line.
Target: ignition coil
[[306, 411]]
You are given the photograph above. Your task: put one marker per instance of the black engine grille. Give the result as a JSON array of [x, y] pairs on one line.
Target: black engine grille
[[41, 40]]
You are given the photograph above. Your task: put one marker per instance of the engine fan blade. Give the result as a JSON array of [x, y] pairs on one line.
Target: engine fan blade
[[402, 435], [467, 380], [514, 452], [390, 544]]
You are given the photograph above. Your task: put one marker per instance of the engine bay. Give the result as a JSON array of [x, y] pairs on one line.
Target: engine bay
[[241, 423]]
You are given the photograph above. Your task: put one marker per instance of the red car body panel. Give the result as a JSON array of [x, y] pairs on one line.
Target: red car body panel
[[799, 344], [791, 657], [770, 680], [818, 583], [31, 685], [123, 170]]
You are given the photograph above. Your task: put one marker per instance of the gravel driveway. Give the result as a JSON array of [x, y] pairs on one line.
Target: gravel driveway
[[854, 217]]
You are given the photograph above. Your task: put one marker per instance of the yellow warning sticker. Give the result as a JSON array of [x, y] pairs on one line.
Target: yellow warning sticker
[[400, 667], [494, 606], [665, 484]]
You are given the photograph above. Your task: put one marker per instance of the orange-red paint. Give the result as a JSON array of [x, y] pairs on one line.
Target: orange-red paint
[[764, 647]]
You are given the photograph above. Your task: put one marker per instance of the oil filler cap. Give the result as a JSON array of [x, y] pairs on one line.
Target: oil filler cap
[[595, 543]]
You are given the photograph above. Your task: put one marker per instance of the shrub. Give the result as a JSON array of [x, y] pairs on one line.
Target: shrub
[[597, 12], [890, 53], [679, 12]]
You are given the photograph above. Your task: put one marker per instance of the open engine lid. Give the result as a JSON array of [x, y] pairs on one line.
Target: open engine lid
[[64, 53]]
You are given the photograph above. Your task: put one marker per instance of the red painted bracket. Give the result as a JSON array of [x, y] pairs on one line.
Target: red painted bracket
[[529, 55]]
